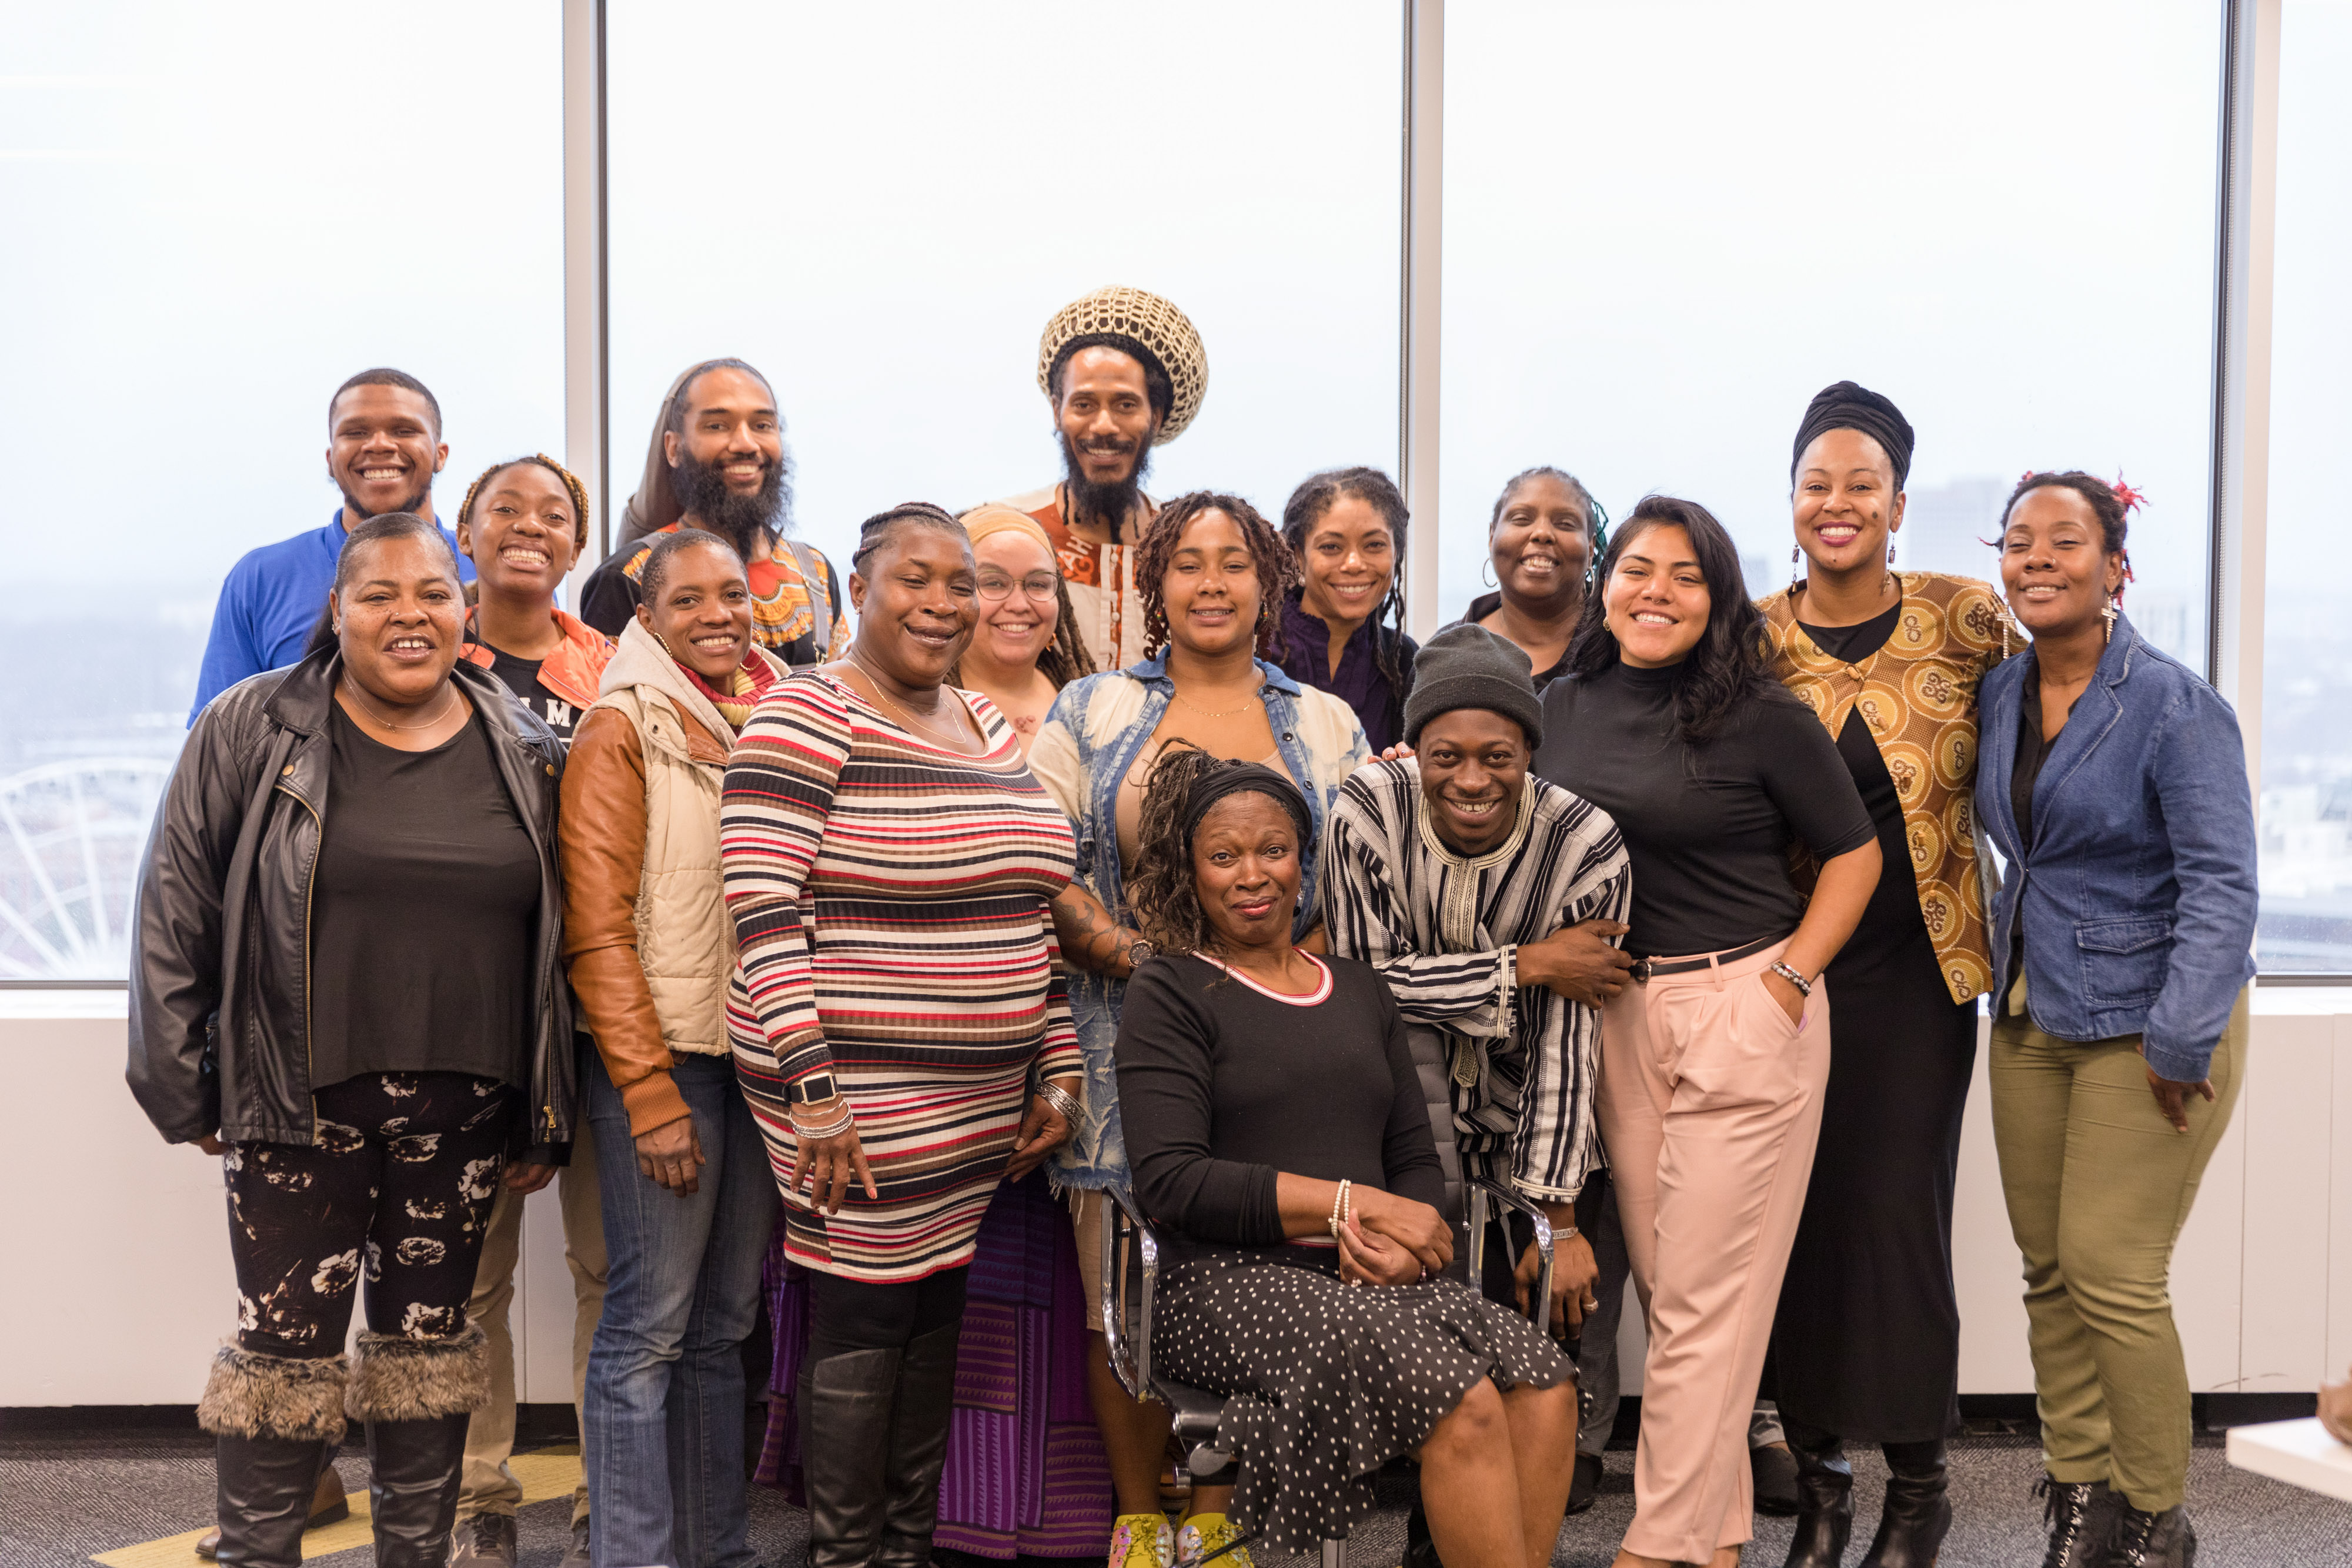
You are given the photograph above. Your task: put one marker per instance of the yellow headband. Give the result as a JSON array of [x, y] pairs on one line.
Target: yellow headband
[[982, 521]]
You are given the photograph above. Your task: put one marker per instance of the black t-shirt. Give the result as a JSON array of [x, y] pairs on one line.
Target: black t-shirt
[[521, 676], [1223, 1086], [1856, 643], [1708, 827], [425, 906]]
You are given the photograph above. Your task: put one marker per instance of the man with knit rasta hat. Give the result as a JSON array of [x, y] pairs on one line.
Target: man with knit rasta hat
[[1124, 371], [1489, 900], [718, 463]]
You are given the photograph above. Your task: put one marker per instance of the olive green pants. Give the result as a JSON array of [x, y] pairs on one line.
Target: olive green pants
[[2098, 1185]]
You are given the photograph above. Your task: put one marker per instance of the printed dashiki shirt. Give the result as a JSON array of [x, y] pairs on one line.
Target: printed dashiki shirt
[[1101, 581], [1918, 695]]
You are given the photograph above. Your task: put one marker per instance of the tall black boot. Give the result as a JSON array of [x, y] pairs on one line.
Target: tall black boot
[[415, 1395], [1825, 1501], [412, 1473], [846, 1407], [1918, 1512], [918, 1447], [273, 1416], [2081, 1515]]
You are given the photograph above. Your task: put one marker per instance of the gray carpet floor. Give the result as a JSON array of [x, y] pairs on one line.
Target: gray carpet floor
[[63, 1497]]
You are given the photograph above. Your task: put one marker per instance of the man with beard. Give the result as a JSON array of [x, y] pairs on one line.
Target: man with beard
[[719, 464], [384, 446], [1124, 371]]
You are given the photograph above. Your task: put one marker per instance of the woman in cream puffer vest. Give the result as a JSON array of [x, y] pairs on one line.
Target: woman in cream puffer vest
[[683, 1177]]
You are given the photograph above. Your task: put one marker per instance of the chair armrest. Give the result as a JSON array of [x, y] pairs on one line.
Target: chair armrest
[[1129, 1345], [1482, 1193]]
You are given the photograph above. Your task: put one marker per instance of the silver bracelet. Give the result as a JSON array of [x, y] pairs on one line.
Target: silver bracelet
[[1804, 986], [1061, 1100], [844, 1123]]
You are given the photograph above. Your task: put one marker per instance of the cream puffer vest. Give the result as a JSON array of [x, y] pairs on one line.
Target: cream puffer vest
[[685, 941]]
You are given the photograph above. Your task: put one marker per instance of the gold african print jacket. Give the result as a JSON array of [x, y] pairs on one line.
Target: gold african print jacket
[[1918, 695]]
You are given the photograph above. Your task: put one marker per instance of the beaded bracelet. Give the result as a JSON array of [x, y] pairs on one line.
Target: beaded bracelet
[[1340, 1207]]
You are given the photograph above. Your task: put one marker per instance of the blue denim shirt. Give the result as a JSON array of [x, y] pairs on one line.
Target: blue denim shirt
[[2137, 892], [1320, 743]]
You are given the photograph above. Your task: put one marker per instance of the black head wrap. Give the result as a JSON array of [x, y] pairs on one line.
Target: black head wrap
[[1845, 406], [1242, 778]]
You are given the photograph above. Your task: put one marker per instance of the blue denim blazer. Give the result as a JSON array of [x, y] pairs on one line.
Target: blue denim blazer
[[1320, 743], [2137, 891]]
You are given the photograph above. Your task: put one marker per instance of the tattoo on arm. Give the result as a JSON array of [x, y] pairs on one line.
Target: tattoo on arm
[[1088, 934]]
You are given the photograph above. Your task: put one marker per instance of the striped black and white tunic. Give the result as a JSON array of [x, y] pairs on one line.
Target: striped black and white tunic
[[1444, 930]]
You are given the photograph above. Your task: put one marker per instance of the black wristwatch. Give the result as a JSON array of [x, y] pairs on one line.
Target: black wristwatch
[[1139, 952]]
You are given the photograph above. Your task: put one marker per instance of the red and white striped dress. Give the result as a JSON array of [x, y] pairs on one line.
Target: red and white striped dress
[[890, 902]]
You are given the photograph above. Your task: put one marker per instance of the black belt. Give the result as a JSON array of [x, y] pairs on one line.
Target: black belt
[[1645, 967]]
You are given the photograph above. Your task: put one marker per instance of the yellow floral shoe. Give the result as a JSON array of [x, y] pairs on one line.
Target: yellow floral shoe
[[1141, 1541], [1208, 1535]]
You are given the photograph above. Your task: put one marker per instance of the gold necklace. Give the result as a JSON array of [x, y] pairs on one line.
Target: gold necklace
[[875, 681], [451, 695], [1221, 713]]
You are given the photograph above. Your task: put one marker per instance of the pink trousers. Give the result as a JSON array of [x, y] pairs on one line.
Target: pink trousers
[[1710, 1102]]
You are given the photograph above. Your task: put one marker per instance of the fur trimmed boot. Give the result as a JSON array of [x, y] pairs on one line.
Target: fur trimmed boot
[[415, 1395], [918, 1447], [273, 1417]]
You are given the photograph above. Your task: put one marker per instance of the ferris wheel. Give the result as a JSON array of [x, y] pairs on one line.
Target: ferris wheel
[[71, 838]]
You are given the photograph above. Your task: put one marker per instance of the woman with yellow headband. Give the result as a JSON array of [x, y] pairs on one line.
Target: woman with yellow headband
[[1026, 647]]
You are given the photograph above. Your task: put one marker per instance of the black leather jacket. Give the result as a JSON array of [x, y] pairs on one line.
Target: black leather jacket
[[220, 985]]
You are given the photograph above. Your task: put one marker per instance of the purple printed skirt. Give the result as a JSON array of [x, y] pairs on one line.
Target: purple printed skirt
[[1026, 1475]]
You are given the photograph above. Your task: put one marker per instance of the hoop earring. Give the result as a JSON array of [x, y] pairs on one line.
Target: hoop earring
[[1487, 573]]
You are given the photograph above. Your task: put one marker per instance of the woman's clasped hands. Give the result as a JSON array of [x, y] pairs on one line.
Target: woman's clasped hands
[[1386, 1240]]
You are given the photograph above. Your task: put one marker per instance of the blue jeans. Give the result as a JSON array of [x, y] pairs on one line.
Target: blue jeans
[[663, 1444]]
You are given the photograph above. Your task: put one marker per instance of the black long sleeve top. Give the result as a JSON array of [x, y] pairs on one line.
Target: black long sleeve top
[[1708, 827], [1222, 1085]]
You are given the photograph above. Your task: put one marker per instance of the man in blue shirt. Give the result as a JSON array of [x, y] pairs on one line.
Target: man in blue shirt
[[384, 446]]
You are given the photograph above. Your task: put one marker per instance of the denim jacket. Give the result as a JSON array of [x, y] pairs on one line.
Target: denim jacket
[[2137, 892], [1097, 728]]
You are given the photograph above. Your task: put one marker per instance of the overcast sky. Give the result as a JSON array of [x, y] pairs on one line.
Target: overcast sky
[[1666, 225]]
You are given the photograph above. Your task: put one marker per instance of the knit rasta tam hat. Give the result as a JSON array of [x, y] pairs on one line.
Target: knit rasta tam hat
[[1138, 323]]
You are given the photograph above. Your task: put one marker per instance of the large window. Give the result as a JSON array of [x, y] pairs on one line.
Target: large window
[[881, 206], [2307, 805], [1668, 225], [214, 215]]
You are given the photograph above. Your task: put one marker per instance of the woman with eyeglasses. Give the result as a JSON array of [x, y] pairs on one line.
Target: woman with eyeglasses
[[1025, 648]]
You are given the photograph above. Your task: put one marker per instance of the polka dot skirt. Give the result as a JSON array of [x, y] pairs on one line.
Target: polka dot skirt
[[1325, 1382]]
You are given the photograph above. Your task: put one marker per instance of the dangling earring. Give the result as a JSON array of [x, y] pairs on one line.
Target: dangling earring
[[1892, 585], [2107, 614], [1890, 552], [1796, 559]]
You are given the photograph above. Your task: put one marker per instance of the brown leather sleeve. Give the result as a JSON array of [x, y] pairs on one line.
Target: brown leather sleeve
[[601, 830]]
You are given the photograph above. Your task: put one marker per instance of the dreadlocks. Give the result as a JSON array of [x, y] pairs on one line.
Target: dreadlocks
[[572, 487], [1278, 568], [1306, 506]]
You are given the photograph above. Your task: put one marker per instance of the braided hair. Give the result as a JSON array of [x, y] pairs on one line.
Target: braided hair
[[1278, 568], [1596, 521], [572, 487], [1306, 506], [876, 530], [2111, 504]]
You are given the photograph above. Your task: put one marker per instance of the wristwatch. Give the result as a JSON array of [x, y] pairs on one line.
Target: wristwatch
[[1139, 952]]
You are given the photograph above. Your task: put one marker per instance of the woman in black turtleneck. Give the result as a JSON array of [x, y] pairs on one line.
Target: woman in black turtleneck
[[1715, 1059]]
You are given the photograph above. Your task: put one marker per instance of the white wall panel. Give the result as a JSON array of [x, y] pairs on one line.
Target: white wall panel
[[2286, 1110]]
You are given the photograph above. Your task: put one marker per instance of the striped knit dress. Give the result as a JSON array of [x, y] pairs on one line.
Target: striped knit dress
[[890, 904]]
